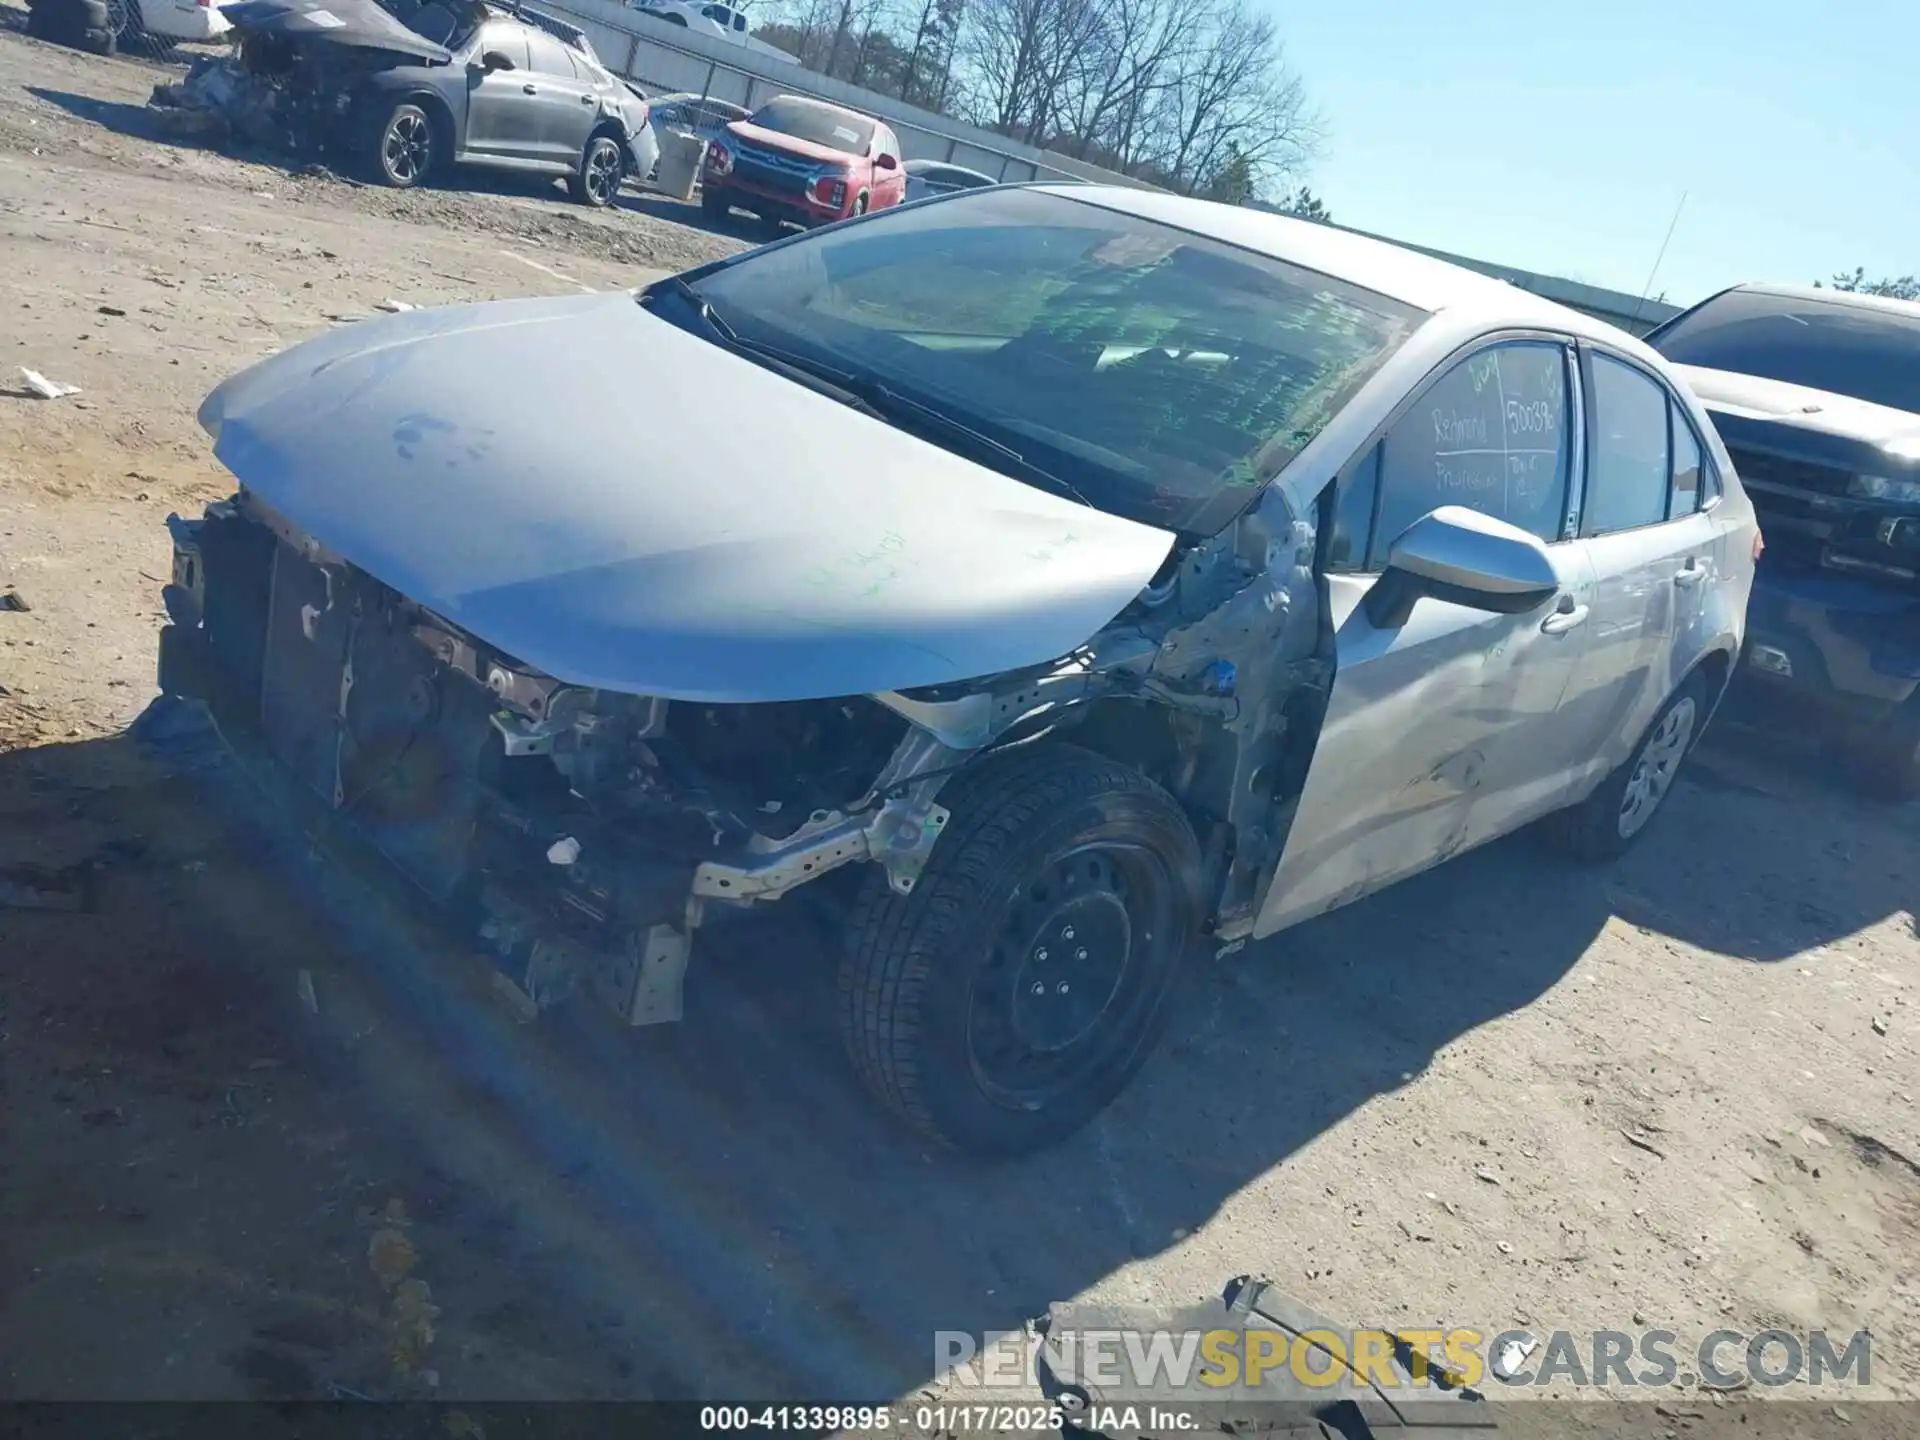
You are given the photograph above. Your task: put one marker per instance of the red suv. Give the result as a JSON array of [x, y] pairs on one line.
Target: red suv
[[805, 161]]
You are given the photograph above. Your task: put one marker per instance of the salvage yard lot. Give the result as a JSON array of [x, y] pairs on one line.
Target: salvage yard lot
[[268, 1135]]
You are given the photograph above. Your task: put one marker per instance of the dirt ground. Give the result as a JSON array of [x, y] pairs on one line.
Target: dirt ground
[[268, 1135]]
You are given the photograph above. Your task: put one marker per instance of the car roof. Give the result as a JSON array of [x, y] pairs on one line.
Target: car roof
[[948, 166], [1389, 270], [1859, 300], [827, 105]]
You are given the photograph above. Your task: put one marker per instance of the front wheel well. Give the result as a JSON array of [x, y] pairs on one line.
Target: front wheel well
[[1716, 669], [379, 105]]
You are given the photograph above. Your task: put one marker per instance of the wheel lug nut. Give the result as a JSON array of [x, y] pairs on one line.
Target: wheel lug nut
[[1067, 933], [1038, 988], [1080, 954], [1063, 988], [1041, 953]]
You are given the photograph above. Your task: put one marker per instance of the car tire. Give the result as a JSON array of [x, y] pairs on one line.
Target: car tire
[[94, 15], [715, 205], [860, 203], [404, 147], [98, 42], [602, 167], [1611, 820], [936, 988]]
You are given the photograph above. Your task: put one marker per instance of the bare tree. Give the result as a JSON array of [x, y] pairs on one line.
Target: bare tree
[[1140, 43], [1236, 98], [1192, 94]]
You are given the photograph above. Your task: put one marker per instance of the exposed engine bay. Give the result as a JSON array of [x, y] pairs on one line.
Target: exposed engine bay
[[582, 835]]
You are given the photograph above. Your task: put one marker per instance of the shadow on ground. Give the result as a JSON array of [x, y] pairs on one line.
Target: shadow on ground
[[710, 1210]]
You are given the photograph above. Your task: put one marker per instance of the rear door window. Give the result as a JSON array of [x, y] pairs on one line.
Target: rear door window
[[1629, 461]]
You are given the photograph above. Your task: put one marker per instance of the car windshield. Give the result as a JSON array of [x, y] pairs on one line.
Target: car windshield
[[1863, 351], [1158, 373], [809, 120]]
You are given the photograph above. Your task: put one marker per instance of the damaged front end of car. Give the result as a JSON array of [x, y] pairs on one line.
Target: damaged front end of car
[[296, 73], [582, 835]]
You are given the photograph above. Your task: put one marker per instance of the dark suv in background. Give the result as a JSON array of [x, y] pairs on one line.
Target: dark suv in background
[[1817, 395]]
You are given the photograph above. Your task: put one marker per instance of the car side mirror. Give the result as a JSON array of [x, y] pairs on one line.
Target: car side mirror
[[491, 61], [1462, 556], [884, 161]]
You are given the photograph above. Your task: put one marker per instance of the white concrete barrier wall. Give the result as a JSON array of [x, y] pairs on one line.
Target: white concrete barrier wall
[[666, 58]]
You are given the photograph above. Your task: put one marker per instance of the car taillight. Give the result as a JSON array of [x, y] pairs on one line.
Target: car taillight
[[719, 159], [830, 190]]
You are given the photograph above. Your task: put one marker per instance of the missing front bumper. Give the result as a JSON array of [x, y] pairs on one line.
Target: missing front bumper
[[419, 740]]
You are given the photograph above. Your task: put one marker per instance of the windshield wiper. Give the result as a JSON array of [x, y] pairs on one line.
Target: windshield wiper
[[879, 395], [873, 398], [814, 376]]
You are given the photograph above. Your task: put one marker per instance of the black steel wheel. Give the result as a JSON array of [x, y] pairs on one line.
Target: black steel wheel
[[602, 166], [860, 203], [715, 205], [405, 149], [1006, 999]]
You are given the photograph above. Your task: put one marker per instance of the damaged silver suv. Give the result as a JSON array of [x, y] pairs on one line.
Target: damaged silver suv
[[1058, 581]]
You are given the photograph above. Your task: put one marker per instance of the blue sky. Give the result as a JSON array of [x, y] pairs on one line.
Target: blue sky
[[1558, 135]]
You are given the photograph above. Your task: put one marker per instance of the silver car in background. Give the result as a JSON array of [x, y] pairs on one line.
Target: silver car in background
[[1104, 574], [926, 178]]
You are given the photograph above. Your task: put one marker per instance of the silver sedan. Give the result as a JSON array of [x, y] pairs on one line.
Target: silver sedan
[[1105, 575]]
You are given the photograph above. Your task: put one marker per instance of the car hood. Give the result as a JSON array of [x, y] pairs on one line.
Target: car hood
[[621, 504], [358, 23], [791, 144], [1752, 397]]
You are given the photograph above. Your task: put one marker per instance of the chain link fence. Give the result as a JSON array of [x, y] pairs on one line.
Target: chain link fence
[[99, 27]]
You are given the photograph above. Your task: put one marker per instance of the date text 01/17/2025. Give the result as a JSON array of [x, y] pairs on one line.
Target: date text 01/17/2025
[[927, 1419]]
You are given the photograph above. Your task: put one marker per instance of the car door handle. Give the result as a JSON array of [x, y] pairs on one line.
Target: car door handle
[[528, 90], [587, 99], [1692, 575], [1564, 618]]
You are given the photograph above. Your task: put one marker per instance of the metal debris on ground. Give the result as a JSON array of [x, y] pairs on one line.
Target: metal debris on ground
[[391, 1256], [219, 98], [1640, 1142], [47, 389], [397, 307], [12, 600]]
